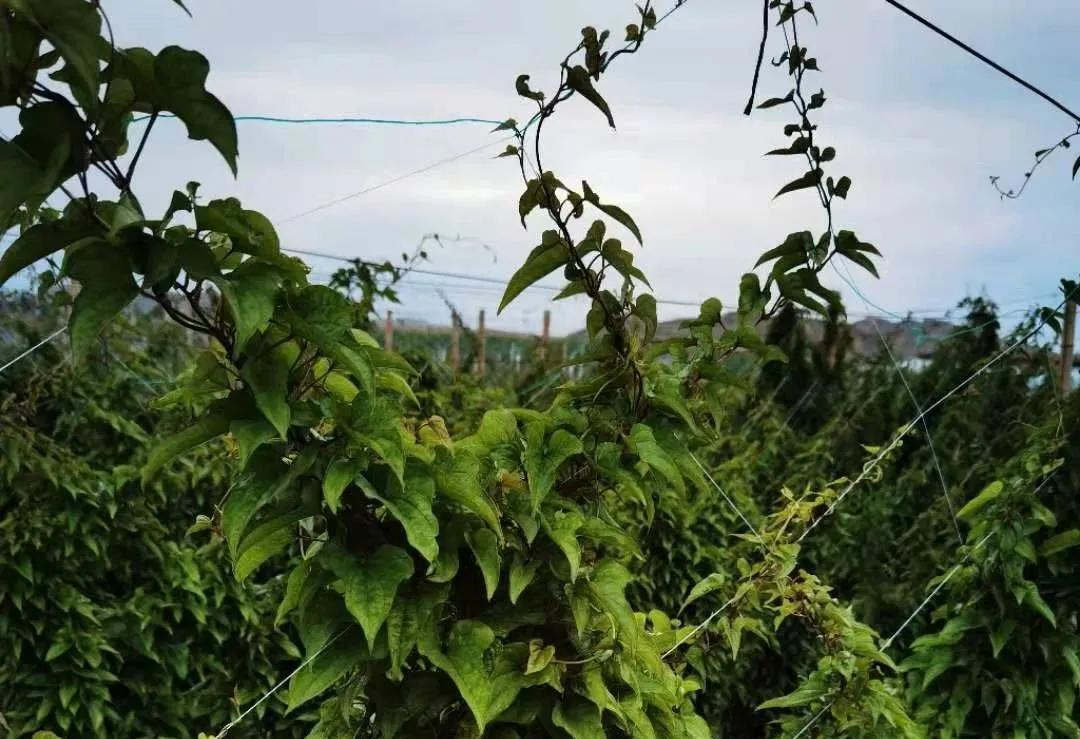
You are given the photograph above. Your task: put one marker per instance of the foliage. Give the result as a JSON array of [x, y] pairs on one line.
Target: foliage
[[459, 567], [112, 623]]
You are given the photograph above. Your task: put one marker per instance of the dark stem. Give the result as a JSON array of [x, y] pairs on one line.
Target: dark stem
[[138, 152], [760, 56]]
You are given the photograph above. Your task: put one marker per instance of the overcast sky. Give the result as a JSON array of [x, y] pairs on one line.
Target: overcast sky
[[918, 125]]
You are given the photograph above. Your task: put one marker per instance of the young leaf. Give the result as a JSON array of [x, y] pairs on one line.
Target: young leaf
[[577, 78], [485, 548], [562, 527], [543, 261], [522, 86], [521, 574], [614, 211], [810, 179]]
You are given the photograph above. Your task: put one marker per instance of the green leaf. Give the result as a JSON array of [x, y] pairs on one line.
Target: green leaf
[[487, 683], [796, 244], [339, 475], [457, 479], [812, 689], [539, 656], [266, 478], [644, 444], [521, 574], [578, 80], [40, 241], [1034, 600], [810, 179], [208, 427], [773, 102], [1060, 542], [522, 86], [843, 185], [271, 536], [412, 620], [562, 527], [990, 493], [104, 273], [485, 548], [542, 459], [607, 587], [999, 637], [249, 231], [613, 211], [73, 27], [250, 292], [267, 376], [26, 181], [250, 434], [372, 585], [710, 584], [541, 262], [326, 669], [578, 718], [181, 84], [410, 502]]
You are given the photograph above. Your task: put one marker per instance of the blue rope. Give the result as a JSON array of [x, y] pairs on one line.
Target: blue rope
[[383, 121]]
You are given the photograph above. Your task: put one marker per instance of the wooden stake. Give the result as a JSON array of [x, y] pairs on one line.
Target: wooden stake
[[1067, 347], [388, 332], [455, 343], [545, 336], [481, 340]]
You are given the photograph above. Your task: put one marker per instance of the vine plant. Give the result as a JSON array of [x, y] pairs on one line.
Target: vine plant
[[443, 587]]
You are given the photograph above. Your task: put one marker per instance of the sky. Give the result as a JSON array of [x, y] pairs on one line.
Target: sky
[[918, 125]]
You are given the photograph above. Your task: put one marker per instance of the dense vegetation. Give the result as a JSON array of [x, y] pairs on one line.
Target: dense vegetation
[[708, 535]]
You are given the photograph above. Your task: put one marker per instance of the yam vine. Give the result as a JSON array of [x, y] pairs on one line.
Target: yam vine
[[491, 582]]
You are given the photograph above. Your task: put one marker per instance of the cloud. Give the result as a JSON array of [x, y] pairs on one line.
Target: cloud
[[918, 127]]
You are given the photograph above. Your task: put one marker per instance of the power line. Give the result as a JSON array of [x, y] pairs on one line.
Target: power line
[[983, 58], [460, 275], [343, 120], [392, 180]]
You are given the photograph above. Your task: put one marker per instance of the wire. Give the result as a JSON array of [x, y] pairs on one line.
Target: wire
[[459, 275], [918, 407], [225, 729], [378, 121], [34, 348], [392, 180], [869, 466], [983, 58]]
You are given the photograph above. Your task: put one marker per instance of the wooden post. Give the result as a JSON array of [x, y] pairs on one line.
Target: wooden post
[[545, 336], [1068, 351], [388, 331], [455, 343], [481, 350]]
